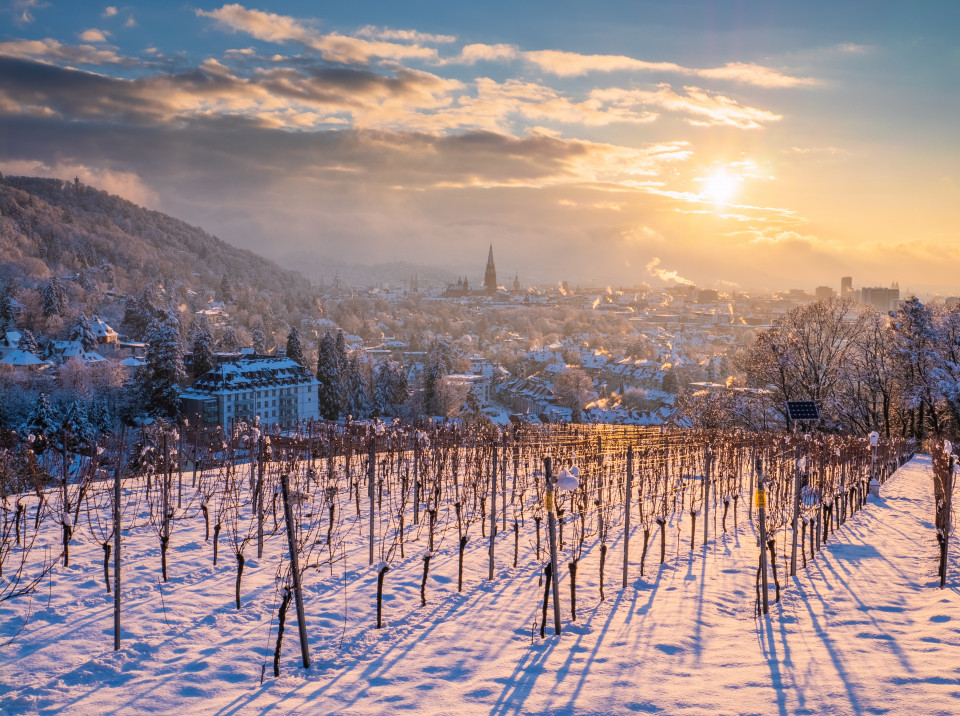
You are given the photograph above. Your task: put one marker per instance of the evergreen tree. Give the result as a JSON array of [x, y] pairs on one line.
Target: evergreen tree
[[54, 298], [42, 423], [160, 378], [28, 343], [75, 430], [439, 364], [229, 343], [340, 351], [100, 419], [226, 289], [8, 307], [259, 336], [202, 347], [329, 376], [294, 346], [358, 401], [381, 390], [140, 311], [83, 333]]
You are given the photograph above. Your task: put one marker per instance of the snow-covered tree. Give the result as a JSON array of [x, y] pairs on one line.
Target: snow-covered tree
[[439, 364], [294, 346], [328, 374], [358, 400], [229, 343], [42, 423], [83, 333], [259, 337], [28, 343], [75, 429], [140, 311], [201, 346], [575, 390], [160, 378], [54, 298], [100, 419], [225, 293]]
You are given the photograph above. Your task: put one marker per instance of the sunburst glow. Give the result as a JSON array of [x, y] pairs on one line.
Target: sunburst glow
[[720, 187]]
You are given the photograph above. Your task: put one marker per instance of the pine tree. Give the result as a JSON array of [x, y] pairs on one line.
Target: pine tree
[[100, 419], [358, 402], [42, 423], [259, 336], [75, 430], [226, 289], [294, 346], [329, 376], [54, 298], [340, 352], [140, 311], [83, 333], [439, 364], [28, 343], [202, 347], [229, 343], [160, 378], [8, 308], [381, 390]]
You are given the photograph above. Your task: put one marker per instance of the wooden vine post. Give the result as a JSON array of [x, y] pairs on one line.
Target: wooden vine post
[[416, 478], [116, 548], [626, 516], [493, 508], [552, 529], [706, 494], [295, 569], [371, 492], [762, 519], [796, 510]]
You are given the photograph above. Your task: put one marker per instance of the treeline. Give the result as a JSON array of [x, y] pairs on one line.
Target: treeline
[[897, 373]]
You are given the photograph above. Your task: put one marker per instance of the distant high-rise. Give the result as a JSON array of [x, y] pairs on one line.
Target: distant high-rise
[[490, 276], [883, 299], [846, 285], [822, 292]]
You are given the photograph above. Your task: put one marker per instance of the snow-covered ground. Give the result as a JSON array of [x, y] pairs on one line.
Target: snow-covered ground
[[862, 630]]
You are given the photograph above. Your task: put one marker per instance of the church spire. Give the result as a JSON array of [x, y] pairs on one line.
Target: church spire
[[490, 276]]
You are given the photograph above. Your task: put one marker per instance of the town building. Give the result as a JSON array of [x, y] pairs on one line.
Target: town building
[[276, 389]]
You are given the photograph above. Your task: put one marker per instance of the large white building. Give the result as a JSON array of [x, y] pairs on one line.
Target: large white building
[[275, 388]]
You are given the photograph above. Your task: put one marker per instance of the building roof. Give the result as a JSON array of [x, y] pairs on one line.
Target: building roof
[[251, 373]]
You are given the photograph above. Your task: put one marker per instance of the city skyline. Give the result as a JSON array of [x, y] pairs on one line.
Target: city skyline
[[760, 148]]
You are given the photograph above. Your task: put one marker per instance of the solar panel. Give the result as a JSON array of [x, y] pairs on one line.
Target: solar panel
[[802, 410]]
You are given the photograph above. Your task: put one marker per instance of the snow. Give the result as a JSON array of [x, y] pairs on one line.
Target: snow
[[862, 630]]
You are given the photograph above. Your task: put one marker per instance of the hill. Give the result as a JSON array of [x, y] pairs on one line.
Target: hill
[[103, 247]]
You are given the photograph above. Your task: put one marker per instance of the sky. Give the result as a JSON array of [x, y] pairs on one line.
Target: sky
[[742, 144]]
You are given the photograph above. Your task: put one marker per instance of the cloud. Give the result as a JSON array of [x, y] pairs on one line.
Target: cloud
[[93, 35], [122, 183], [109, 11], [52, 51], [702, 108], [271, 27], [573, 64], [479, 52], [384, 33], [665, 275], [23, 10]]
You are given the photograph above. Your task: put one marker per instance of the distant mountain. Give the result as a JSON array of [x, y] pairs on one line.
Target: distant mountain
[[324, 270], [109, 246]]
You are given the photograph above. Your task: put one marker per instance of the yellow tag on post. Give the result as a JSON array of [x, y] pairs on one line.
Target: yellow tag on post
[[761, 500], [549, 502]]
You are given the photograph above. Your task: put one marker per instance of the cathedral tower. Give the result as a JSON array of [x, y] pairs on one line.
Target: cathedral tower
[[490, 277]]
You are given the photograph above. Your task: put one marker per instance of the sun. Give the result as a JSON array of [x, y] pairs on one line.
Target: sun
[[720, 187]]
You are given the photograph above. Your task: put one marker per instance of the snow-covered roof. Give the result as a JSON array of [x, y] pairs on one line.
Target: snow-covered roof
[[22, 359], [250, 374]]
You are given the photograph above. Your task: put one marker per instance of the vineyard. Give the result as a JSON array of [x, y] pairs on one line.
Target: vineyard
[[399, 500]]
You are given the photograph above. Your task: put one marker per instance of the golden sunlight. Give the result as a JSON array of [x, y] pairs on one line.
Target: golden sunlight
[[720, 187]]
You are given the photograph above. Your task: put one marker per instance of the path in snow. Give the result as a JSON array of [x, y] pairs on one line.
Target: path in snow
[[863, 630]]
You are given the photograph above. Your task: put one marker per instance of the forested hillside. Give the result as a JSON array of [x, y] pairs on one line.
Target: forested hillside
[[111, 248]]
